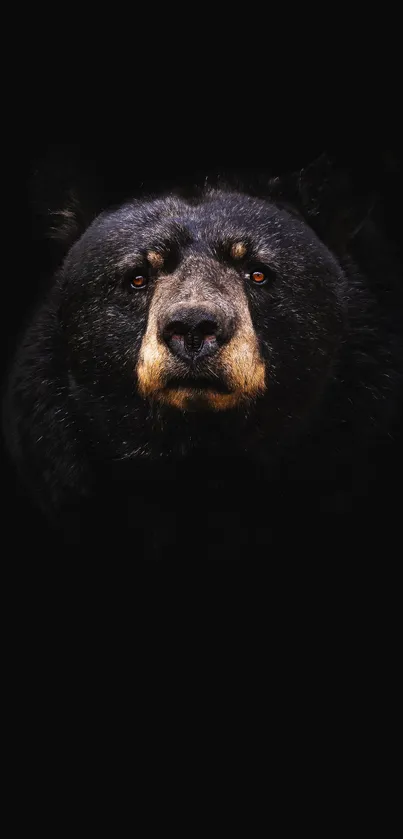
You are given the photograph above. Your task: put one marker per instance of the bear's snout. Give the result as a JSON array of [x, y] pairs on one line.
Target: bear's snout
[[194, 332]]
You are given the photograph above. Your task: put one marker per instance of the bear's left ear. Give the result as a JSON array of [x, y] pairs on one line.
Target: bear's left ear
[[333, 201], [66, 197]]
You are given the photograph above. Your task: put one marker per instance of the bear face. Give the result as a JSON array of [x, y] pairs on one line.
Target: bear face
[[221, 329], [228, 306]]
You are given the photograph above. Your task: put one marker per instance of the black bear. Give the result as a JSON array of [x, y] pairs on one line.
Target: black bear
[[208, 365]]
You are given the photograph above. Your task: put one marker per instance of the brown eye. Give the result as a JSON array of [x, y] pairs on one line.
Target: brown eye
[[138, 282], [258, 277]]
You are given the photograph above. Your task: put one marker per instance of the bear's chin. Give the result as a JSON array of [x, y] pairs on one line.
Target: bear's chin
[[199, 399]]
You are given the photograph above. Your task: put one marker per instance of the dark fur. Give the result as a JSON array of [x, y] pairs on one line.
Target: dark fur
[[329, 326]]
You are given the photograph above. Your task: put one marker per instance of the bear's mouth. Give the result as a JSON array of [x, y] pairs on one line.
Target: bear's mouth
[[197, 383]]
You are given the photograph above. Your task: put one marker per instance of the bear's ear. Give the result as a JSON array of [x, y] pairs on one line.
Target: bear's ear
[[334, 202], [65, 197], [67, 223]]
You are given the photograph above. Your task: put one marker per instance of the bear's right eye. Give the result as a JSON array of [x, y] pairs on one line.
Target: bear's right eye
[[258, 277], [139, 281], [259, 274]]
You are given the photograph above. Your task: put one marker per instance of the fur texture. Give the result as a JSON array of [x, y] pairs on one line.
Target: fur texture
[[104, 419]]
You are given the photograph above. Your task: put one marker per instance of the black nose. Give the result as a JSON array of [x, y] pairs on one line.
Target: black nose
[[194, 332]]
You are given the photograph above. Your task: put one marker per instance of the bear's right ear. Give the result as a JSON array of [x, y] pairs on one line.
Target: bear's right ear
[[334, 202], [66, 197]]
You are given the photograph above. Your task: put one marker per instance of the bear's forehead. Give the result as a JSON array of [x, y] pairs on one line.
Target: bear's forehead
[[219, 217], [212, 225]]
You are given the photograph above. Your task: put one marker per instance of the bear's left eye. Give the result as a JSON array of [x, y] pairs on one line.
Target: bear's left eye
[[139, 281]]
